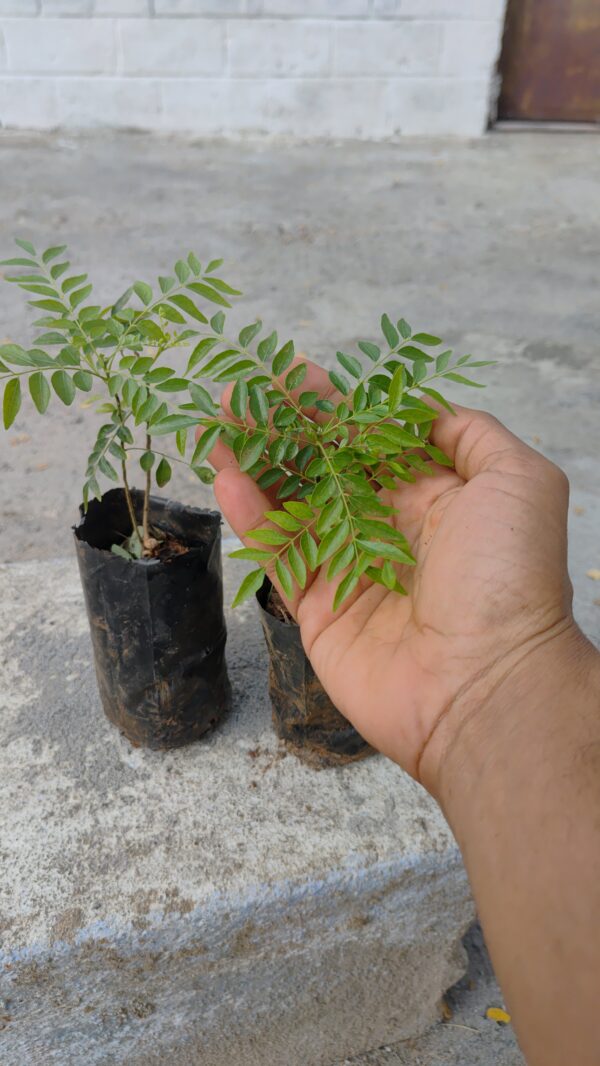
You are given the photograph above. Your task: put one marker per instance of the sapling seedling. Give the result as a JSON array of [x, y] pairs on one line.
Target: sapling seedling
[[327, 460], [115, 357]]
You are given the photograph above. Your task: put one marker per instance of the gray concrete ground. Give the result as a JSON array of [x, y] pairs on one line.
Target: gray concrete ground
[[492, 244]]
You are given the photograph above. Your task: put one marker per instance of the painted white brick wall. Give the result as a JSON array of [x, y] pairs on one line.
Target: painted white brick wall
[[369, 69]]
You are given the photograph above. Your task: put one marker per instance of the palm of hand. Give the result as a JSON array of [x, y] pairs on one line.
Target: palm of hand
[[395, 664]]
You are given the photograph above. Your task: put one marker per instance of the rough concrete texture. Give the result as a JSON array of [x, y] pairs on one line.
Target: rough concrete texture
[[220, 904], [492, 244]]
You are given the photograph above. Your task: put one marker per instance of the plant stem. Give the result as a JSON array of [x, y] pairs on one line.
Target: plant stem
[[130, 507], [145, 533]]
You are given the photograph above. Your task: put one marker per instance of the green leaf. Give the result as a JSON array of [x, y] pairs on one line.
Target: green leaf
[[222, 286], [438, 455], [171, 423], [284, 356], [181, 441], [116, 549], [213, 265], [333, 541], [349, 363], [143, 291], [345, 588], [12, 402], [63, 386], [255, 555], [172, 385], [115, 384], [427, 339], [118, 452], [239, 398], [170, 313], [289, 486], [83, 380], [51, 253], [378, 549], [268, 478], [201, 349], [389, 331], [285, 579], [217, 322], [206, 444], [297, 565], [309, 549], [203, 400], [396, 391], [18, 263], [372, 351], [284, 520], [299, 510], [187, 305], [451, 376], [266, 348], [404, 328], [165, 284], [267, 536], [251, 584], [40, 391], [152, 377], [322, 492], [13, 353], [208, 293], [147, 461], [435, 395], [206, 475], [194, 263], [340, 561], [295, 377], [107, 469], [78, 279], [50, 338], [259, 407], [442, 361], [182, 270], [26, 246], [79, 296], [248, 333], [252, 450], [48, 305], [340, 382], [163, 472]]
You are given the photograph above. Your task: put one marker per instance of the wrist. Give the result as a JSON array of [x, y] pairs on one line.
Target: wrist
[[506, 713]]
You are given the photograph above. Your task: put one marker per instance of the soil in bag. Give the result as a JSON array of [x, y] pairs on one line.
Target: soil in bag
[[157, 624], [303, 715]]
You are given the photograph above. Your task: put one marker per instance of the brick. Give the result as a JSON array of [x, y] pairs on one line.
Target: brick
[[470, 48], [293, 107], [115, 103], [219, 8], [122, 8], [316, 8], [28, 103], [73, 8], [172, 47], [440, 9], [21, 8], [279, 48], [435, 107], [60, 46], [384, 48]]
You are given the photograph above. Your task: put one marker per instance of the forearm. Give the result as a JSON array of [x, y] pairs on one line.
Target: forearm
[[520, 786]]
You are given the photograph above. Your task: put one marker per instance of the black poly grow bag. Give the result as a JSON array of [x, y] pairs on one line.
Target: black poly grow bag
[[158, 627], [303, 715]]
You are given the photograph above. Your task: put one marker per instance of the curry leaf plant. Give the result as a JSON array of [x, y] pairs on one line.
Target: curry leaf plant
[[326, 460], [115, 357]]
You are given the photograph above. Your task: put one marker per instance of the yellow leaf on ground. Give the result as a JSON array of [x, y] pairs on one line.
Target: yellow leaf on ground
[[496, 1014], [594, 574]]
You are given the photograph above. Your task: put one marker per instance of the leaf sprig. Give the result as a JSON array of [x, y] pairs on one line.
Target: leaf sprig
[[114, 355], [326, 458]]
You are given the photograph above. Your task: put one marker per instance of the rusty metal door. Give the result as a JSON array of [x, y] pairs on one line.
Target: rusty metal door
[[550, 61]]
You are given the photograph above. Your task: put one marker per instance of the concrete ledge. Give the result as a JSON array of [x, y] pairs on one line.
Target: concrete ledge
[[222, 904]]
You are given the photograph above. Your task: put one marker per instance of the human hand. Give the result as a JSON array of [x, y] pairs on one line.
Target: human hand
[[489, 587]]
